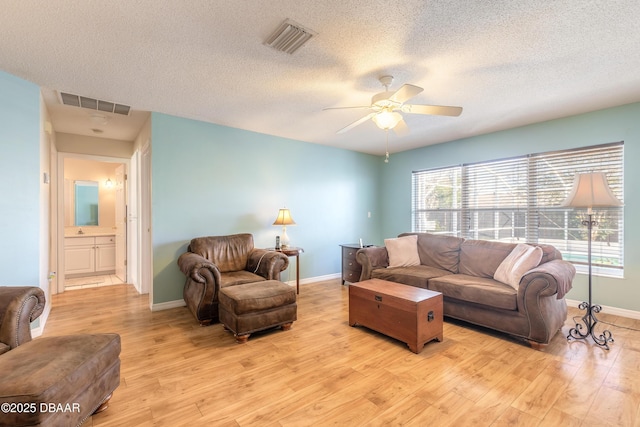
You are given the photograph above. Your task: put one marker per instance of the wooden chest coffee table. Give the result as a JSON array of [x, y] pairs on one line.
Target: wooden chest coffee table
[[406, 313]]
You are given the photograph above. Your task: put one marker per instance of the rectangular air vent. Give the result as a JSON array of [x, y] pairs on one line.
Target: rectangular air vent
[[94, 104], [289, 37]]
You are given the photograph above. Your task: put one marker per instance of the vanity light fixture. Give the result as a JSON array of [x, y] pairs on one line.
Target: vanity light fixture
[[108, 183]]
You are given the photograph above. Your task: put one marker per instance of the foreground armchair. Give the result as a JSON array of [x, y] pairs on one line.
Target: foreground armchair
[[215, 262], [19, 306], [52, 380]]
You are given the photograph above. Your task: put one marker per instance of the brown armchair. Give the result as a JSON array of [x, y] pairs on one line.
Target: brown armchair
[[215, 262], [19, 306]]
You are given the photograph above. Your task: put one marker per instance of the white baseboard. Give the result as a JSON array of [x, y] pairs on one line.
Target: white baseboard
[[180, 303], [168, 305], [609, 310], [315, 279], [36, 332]]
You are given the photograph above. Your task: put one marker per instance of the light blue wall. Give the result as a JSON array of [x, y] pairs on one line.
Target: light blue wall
[[613, 124], [19, 182], [213, 180], [210, 180]]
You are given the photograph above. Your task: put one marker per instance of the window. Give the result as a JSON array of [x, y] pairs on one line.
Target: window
[[517, 200]]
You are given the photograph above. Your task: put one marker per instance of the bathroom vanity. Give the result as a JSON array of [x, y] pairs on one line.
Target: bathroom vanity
[[85, 255]]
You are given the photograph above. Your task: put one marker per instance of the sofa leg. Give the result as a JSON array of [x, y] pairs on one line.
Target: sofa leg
[[241, 339], [104, 405], [286, 326], [537, 345]]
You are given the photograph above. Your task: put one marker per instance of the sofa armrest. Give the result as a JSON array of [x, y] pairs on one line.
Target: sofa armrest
[[267, 264], [541, 298], [558, 275], [19, 306], [370, 259]]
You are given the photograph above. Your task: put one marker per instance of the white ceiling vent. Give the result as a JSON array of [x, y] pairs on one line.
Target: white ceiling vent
[[93, 104], [289, 37]]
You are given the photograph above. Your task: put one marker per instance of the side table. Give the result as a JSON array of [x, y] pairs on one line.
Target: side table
[[351, 269], [292, 251]]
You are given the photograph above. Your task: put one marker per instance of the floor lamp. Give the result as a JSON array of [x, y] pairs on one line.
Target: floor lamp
[[590, 190]]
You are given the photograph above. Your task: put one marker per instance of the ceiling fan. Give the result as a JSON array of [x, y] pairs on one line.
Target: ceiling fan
[[386, 105]]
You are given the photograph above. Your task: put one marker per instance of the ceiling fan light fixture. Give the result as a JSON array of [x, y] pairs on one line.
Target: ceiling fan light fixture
[[386, 120]]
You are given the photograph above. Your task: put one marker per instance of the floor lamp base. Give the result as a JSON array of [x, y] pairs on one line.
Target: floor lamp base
[[587, 327]]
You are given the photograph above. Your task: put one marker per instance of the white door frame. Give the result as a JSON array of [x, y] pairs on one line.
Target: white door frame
[[145, 252], [131, 199]]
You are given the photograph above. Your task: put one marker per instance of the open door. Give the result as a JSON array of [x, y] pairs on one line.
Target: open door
[[121, 224]]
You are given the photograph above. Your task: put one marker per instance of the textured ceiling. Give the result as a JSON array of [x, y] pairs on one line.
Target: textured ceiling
[[507, 63]]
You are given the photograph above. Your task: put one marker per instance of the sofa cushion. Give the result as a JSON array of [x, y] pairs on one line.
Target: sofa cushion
[[549, 253], [4, 348], [438, 251], [417, 275], [403, 251], [479, 290], [481, 258], [241, 277], [228, 253], [521, 259]]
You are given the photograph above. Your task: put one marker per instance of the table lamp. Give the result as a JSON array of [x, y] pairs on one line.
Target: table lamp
[[284, 219]]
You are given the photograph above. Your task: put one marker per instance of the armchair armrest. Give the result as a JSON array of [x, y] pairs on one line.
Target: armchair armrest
[[370, 259], [19, 306], [192, 265], [267, 264]]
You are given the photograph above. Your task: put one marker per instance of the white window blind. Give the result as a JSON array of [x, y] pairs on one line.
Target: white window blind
[[517, 200]]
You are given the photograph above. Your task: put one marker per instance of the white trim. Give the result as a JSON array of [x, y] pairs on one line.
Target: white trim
[[36, 332], [168, 305], [610, 310], [315, 279], [180, 303]]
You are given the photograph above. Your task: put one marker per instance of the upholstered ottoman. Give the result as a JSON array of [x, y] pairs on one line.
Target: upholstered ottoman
[[58, 381], [253, 307]]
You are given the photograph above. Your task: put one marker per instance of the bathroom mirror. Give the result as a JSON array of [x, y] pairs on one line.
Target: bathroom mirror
[[86, 203]]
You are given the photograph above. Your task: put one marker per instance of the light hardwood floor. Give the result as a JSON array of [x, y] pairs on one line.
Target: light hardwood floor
[[324, 372]]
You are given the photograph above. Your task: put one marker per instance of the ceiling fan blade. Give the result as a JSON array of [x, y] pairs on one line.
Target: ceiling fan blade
[[401, 129], [356, 123], [438, 110], [406, 92], [346, 108]]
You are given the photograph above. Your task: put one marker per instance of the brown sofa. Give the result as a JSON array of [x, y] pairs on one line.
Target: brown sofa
[[462, 270], [216, 262], [51, 381]]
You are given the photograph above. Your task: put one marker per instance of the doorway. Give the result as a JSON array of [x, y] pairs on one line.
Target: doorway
[[92, 221]]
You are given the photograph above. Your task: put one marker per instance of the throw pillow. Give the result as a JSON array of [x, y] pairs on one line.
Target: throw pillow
[[403, 251], [521, 259]]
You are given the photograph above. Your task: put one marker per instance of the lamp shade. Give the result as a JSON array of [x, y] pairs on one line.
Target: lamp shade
[[284, 218], [591, 190]]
